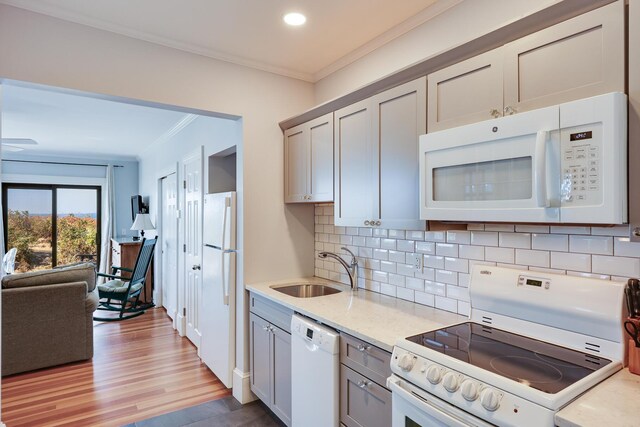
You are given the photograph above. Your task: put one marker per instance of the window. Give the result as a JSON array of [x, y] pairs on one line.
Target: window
[[51, 225]]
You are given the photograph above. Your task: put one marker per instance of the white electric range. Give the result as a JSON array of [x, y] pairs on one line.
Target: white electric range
[[534, 342]]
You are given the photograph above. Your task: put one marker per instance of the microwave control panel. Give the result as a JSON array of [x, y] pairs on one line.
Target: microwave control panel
[[581, 150]]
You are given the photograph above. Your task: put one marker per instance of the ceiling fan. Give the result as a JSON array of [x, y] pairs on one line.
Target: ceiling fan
[[12, 145]]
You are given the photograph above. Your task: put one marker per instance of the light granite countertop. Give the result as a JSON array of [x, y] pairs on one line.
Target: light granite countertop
[[610, 403], [372, 317]]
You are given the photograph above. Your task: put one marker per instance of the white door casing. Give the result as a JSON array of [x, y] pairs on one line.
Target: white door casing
[[192, 184], [169, 244]]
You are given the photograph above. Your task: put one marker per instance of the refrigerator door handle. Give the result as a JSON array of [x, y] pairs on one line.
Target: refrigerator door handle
[[225, 280], [227, 206]]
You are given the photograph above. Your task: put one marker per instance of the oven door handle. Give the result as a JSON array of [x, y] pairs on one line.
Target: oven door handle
[[433, 409], [540, 170]]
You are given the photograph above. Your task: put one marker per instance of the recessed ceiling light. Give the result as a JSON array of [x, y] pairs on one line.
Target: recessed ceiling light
[[295, 19]]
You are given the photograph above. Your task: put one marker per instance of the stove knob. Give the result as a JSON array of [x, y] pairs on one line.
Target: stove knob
[[490, 399], [469, 390], [406, 362], [434, 374], [451, 382]]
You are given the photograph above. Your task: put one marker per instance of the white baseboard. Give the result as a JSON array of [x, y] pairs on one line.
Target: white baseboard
[[242, 387]]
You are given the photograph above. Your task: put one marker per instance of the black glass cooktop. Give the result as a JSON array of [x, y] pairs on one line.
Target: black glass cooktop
[[543, 366]]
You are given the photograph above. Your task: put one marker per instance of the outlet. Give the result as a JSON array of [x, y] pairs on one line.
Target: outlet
[[417, 262]]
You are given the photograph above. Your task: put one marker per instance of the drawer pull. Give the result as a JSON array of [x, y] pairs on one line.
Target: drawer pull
[[363, 384], [362, 348]]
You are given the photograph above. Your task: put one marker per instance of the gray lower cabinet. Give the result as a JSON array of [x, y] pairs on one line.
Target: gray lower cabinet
[[270, 356], [364, 369]]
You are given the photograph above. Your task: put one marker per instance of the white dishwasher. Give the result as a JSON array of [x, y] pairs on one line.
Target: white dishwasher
[[315, 372]]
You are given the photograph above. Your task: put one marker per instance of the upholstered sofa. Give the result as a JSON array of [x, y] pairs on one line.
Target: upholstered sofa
[[47, 318]]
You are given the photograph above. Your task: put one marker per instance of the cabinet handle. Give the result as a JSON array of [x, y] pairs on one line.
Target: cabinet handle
[[366, 222], [378, 223], [363, 384], [265, 328], [362, 348], [509, 110], [494, 113]]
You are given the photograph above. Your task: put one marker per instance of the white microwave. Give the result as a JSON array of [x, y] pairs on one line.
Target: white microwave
[[560, 164]]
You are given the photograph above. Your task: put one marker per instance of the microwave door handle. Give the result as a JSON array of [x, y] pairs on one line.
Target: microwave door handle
[[540, 171]]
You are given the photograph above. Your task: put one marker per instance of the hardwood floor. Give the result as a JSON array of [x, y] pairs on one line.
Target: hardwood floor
[[141, 368]]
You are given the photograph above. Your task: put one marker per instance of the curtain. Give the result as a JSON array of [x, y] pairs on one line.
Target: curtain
[[108, 221]]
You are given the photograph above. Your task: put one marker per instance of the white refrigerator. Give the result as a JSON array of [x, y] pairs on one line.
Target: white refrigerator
[[217, 312]]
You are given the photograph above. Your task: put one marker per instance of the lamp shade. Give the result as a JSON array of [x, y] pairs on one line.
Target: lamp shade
[[142, 222]]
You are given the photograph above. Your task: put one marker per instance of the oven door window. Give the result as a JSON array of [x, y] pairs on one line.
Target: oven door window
[[506, 179]]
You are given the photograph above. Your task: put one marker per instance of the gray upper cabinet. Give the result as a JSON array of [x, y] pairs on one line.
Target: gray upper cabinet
[[575, 59], [467, 92], [578, 58], [376, 159], [308, 161]]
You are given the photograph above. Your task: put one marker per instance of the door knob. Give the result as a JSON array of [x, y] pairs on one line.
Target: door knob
[[195, 267]]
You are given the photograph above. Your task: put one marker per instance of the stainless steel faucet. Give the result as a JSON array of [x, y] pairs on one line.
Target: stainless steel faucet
[[352, 269]]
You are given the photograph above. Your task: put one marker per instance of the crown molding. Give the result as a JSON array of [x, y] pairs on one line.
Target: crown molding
[[384, 38], [404, 27]]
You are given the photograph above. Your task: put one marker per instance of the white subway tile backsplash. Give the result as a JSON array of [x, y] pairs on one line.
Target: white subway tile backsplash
[[433, 261], [434, 236], [435, 288], [388, 244], [386, 256], [428, 248], [523, 228], [615, 266], [425, 299], [445, 276], [447, 249], [484, 238], [550, 242], [600, 245], [389, 267], [622, 246], [471, 252], [456, 264], [533, 258], [447, 304], [515, 240], [415, 284], [571, 261], [499, 227], [396, 234], [396, 256], [459, 237], [406, 294], [556, 229], [457, 292], [504, 255], [406, 245]]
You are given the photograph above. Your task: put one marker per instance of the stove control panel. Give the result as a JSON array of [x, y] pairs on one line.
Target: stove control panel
[[467, 392]]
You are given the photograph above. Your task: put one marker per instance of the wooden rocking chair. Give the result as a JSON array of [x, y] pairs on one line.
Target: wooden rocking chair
[[120, 293]]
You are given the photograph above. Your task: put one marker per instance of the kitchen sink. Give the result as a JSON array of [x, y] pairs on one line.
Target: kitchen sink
[[306, 290]]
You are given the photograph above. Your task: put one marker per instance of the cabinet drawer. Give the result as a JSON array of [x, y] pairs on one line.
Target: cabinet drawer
[[363, 403], [275, 313], [369, 360]]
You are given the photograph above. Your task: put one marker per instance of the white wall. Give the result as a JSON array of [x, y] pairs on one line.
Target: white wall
[[40, 49], [126, 177], [464, 22]]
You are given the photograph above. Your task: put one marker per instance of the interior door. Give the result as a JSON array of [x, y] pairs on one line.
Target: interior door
[[170, 244], [192, 169]]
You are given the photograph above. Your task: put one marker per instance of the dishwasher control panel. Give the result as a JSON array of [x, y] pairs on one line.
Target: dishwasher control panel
[[315, 334]]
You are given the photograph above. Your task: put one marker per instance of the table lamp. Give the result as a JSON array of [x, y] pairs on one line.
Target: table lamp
[[142, 222]]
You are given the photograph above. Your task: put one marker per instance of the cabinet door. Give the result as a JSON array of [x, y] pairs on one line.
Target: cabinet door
[[260, 336], [296, 164], [363, 403], [578, 58], [281, 374], [355, 183], [399, 117], [321, 159], [467, 92]]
